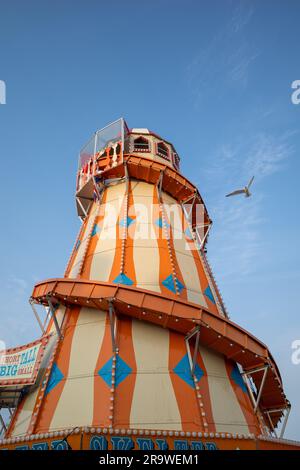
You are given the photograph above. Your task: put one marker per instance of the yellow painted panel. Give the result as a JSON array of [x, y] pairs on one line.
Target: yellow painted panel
[[226, 410], [184, 256], [76, 403], [154, 404], [104, 254], [145, 248]]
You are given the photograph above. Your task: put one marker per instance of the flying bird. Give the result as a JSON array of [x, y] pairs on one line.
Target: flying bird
[[245, 190]]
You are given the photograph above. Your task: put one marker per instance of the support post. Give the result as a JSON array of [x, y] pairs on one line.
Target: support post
[[2, 423], [96, 188], [261, 388], [205, 236], [80, 203], [285, 421], [259, 392], [159, 184], [54, 317], [193, 361], [31, 303], [286, 417], [271, 424]]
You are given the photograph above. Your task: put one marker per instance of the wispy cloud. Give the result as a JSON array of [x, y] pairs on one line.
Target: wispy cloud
[[238, 221], [241, 16], [268, 155], [228, 55]]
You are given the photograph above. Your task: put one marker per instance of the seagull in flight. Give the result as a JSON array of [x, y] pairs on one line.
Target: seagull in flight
[[245, 190]]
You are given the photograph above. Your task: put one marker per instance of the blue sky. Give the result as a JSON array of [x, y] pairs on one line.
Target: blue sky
[[213, 77]]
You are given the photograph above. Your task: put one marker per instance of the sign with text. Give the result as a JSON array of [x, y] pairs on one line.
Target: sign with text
[[20, 366]]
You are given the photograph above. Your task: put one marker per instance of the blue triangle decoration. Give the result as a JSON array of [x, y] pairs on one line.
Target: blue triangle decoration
[[122, 371], [209, 294], [55, 377], [237, 378], [77, 245], [126, 221], [169, 284], [183, 370], [123, 279], [96, 229]]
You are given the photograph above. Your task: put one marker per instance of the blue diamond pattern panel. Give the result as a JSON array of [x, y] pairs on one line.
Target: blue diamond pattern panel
[[170, 284], [55, 377], [237, 378], [126, 222], [123, 279], [183, 370], [209, 294], [122, 371], [96, 229]]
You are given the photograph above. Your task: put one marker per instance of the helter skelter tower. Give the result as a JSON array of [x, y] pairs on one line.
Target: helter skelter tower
[[141, 352]]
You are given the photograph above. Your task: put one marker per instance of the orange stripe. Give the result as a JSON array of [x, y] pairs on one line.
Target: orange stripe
[[50, 401], [86, 271], [124, 391], [183, 293], [204, 282], [129, 269], [101, 389], [165, 266], [204, 391], [244, 401], [129, 264], [15, 418], [164, 258], [185, 394]]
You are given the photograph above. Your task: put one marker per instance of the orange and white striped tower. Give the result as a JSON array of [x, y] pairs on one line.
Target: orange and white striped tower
[[142, 353]]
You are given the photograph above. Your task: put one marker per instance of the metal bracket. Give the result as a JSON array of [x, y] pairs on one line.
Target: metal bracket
[[159, 183], [286, 417], [193, 361], [2, 424], [80, 203], [205, 236], [52, 311], [31, 303], [96, 188], [288, 410], [188, 213], [256, 400], [126, 171]]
